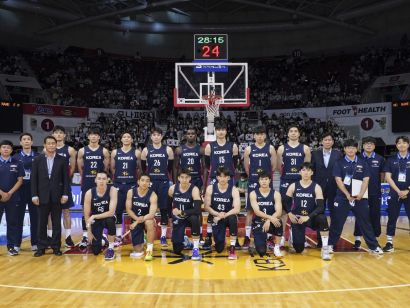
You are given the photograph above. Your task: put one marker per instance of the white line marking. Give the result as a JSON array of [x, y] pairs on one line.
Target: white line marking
[[207, 293]]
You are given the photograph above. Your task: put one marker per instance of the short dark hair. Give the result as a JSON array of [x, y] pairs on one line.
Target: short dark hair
[[191, 128], [223, 171], [127, 132], [369, 139], [220, 124], [263, 174], [260, 129], [402, 138], [6, 142], [293, 125], [350, 143], [184, 171], [156, 130], [326, 134], [58, 127], [49, 137], [26, 134], [144, 174], [94, 131], [306, 165], [103, 171]]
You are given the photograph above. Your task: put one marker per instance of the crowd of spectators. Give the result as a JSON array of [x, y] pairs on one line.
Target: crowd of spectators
[[11, 64]]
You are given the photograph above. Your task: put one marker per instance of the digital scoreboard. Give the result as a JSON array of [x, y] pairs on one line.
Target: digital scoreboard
[[211, 47], [400, 117]]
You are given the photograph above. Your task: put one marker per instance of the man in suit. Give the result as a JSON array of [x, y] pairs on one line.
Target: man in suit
[[49, 190], [323, 161]]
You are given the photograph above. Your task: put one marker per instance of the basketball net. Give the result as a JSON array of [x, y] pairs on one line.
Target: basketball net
[[212, 103]]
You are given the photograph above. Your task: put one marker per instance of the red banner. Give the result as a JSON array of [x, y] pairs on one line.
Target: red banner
[[55, 111]]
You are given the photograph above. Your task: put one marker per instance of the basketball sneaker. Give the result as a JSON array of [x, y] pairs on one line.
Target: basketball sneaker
[[270, 244], [187, 243], [163, 241], [330, 247], [377, 251], [117, 241], [246, 243], [388, 247], [357, 244], [148, 256], [276, 252], [109, 254], [12, 251], [195, 254], [201, 240], [208, 243], [232, 253], [69, 242], [237, 245], [324, 253], [84, 242], [136, 255]]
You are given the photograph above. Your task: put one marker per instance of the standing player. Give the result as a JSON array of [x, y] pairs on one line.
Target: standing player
[[219, 153], [91, 159], [124, 165], [70, 154], [267, 206], [375, 163], [290, 157], [141, 207], [158, 160], [99, 213], [186, 201], [307, 211], [347, 170], [398, 176], [258, 157], [223, 203]]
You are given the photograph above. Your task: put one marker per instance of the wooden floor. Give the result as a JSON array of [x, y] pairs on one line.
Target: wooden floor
[[351, 279]]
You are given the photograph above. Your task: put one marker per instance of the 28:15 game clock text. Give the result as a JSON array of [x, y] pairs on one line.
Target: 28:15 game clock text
[[210, 46]]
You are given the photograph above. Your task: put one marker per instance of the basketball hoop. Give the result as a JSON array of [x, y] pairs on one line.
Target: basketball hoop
[[212, 103]]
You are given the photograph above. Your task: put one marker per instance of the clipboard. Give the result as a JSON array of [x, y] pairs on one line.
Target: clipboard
[[356, 186]]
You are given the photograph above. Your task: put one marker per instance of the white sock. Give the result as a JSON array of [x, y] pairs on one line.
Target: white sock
[[150, 246], [248, 231], [49, 233], [209, 228], [118, 231], [85, 233], [163, 231], [277, 246], [269, 236], [390, 239], [357, 238], [111, 245], [233, 242], [324, 240], [196, 243], [67, 232]]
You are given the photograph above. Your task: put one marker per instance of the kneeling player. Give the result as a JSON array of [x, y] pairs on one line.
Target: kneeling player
[[186, 211], [267, 206], [307, 211], [223, 203], [141, 206], [100, 203]]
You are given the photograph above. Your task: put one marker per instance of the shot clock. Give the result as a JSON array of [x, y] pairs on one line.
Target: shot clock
[[211, 47]]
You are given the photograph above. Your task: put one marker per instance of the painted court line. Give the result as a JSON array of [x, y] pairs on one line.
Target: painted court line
[[207, 293]]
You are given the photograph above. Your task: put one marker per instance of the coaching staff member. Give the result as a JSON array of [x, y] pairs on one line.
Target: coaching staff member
[[49, 190]]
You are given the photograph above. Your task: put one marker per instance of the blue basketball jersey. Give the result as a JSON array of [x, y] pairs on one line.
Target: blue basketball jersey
[[304, 199], [183, 200], [292, 158], [100, 204], [157, 162], [140, 204], [221, 201], [93, 162], [63, 151], [125, 166], [190, 159], [259, 160], [221, 156]]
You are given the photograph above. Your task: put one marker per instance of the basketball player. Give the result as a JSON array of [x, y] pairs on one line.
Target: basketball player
[[398, 176], [375, 163], [70, 154], [267, 206], [124, 165], [259, 156], [142, 203], [186, 203], [26, 157], [99, 213], [291, 155], [223, 203], [351, 168], [158, 161], [91, 159], [219, 153], [307, 211]]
